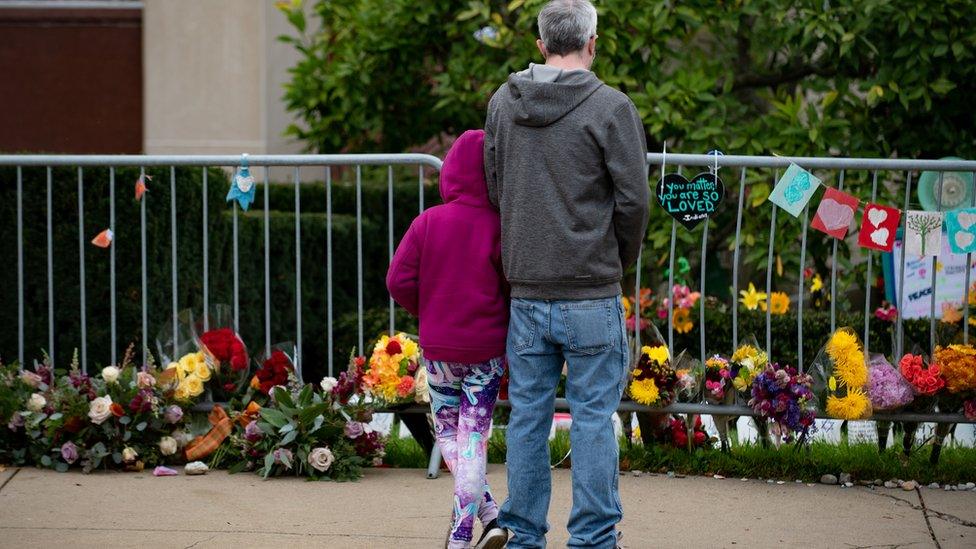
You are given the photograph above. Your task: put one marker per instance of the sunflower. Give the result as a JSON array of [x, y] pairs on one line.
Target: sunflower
[[644, 391], [855, 405], [682, 321], [779, 303]]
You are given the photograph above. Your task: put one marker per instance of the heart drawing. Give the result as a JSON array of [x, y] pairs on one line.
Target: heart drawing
[[877, 217], [966, 220], [834, 214], [880, 236], [964, 239]]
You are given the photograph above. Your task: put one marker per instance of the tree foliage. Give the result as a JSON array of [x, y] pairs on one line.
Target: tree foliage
[[814, 77]]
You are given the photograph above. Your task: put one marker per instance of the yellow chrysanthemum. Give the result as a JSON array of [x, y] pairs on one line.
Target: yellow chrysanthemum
[[658, 354], [855, 405], [644, 391], [964, 349], [845, 351], [744, 351]]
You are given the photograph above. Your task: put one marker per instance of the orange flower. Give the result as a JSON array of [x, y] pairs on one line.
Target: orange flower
[[950, 315], [251, 413], [682, 321], [405, 386], [255, 383], [958, 363], [117, 409]]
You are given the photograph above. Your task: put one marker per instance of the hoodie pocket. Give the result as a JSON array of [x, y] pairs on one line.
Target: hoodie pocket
[[589, 325]]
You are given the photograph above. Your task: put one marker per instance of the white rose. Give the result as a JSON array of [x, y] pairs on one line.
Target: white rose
[[36, 402], [168, 446], [421, 388], [328, 383], [110, 374], [321, 459], [100, 409], [129, 454]]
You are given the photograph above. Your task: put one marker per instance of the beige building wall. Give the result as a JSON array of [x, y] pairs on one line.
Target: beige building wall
[[213, 78]]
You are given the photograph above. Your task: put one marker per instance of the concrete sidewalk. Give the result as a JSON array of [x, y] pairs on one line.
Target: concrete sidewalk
[[400, 508]]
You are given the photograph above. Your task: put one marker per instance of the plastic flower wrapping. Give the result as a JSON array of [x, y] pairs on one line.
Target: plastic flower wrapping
[[394, 374], [746, 363], [887, 389], [841, 375], [185, 370], [224, 351], [785, 397], [718, 388]]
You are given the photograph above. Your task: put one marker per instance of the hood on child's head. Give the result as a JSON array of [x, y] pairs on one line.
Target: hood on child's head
[[463, 173]]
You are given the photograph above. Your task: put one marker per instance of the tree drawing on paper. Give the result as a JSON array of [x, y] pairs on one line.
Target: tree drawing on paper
[[923, 225]]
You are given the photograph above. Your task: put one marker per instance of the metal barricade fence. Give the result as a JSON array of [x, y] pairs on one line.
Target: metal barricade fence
[[326, 162], [671, 162]]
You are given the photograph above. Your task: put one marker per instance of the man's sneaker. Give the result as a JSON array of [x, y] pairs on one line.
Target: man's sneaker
[[493, 536]]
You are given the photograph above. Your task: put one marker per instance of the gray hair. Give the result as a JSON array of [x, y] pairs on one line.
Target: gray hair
[[566, 25]]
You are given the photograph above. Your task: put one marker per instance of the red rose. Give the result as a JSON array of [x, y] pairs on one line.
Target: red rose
[[274, 371], [226, 347], [393, 347]]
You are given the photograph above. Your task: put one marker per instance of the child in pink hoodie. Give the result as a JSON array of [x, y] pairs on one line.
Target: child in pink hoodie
[[447, 271]]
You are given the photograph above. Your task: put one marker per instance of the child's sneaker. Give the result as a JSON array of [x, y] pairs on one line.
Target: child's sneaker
[[493, 536]]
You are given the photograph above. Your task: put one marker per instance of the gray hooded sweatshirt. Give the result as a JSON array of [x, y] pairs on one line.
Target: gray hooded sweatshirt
[[565, 164]]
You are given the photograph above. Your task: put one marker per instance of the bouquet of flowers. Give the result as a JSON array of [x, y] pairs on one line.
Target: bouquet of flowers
[[653, 380], [689, 372], [225, 353], [926, 380], [886, 387], [677, 434], [720, 390], [958, 363], [841, 375], [394, 374], [785, 397], [746, 363], [276, 368], [186, 372]]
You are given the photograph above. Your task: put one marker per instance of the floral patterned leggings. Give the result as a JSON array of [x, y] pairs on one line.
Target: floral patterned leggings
[[462, 398]]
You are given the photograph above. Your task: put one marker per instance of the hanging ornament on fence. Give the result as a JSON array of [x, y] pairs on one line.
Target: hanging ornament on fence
[[690, 202], [794, 190], [242, 185], [961, 230], [878, 227], [141, 187], [923, 235], [104, 239], [835, 213], [957, 189]]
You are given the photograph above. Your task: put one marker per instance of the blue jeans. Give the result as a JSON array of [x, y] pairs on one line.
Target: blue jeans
[[590, 337]]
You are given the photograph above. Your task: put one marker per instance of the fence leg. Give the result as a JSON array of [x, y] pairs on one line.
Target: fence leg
[[434, 465]]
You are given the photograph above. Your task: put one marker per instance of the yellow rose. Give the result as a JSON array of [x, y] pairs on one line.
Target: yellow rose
[[194, 385], [181, 392], [202, 371]]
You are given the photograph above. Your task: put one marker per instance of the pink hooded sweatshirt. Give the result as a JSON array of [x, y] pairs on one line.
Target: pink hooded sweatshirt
[[447, 270]]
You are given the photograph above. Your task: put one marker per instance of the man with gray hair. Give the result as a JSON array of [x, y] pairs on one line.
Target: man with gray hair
[[565, 162]]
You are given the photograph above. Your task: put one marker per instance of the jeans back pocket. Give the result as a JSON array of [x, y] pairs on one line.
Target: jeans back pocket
[[521, 326], [589, 325]]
